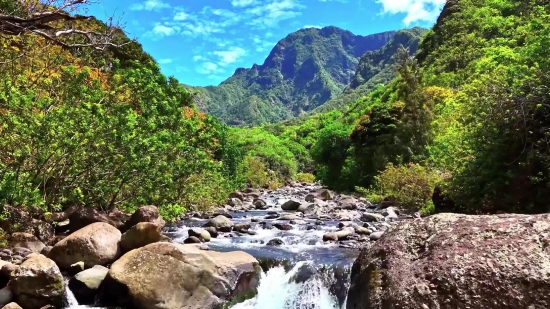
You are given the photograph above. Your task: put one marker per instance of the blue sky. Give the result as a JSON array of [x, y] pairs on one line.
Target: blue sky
[[202, 42]]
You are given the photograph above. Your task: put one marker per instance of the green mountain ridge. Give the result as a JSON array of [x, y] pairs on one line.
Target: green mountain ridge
[[303, 71]]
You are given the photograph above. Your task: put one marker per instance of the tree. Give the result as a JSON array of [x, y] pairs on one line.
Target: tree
[[56, 21]]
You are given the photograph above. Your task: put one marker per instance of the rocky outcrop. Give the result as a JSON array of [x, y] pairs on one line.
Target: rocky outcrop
[[145, 214], [19, 220], [38, 282], [82, 217], [456, 261], [140, 235], [85, 284], [95, 244], [167, 275]]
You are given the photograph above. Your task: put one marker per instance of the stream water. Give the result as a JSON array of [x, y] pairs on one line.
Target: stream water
[[302, 273]]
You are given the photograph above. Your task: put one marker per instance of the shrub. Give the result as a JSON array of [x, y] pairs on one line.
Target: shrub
[[409, 186], [305, 177]]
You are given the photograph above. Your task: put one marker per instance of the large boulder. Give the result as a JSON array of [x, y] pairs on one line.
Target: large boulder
[[168, 275], [456, 261], [221, 223], [291, 205], [12, 305], [82, 217], [95, 244], [38, 282], [25, 240], [85, 284], [140, 235], [201, 234], [146, 214]]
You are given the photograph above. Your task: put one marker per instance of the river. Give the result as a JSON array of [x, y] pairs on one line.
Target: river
[[302, 273]]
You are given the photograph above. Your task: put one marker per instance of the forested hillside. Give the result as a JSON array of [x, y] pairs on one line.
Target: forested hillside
[[467, 114], [303, 71]]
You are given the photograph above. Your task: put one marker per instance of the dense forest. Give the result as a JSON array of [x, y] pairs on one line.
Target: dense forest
[[461, 108]]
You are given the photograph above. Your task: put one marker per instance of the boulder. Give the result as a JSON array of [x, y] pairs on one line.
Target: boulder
[[275, 242], [456, 261], [237, 194], [145, 214], [201, 234], [260, 204], [283, 227], [192, 240], [348, 203], [290, 205], [6, 270], [85, 284], [25, 240], [95, 244], [212, 231], [310, 198], [38, 282], [235, 202], [324, 194], [140, 235], [240, 227], [168, 275], [376, 235], [342, 234], [82, 217], [221, 223], [304, 208], [362, 230], [12, 305], [55, 217], [371, 217]]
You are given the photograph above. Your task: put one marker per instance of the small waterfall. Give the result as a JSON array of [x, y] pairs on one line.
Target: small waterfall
[[71, 300], [277, 290]]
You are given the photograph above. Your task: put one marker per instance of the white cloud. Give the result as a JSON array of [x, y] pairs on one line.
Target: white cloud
[[180, 16], [209, 68], [312, 26], [165, 61], [243, 3], [415, 10], [260, 44], [162, 30], [233, 54], [150, 5], [271, 14], [198, 58]]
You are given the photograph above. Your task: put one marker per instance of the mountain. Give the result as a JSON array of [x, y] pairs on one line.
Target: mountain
[[375, 68], [303, 71]]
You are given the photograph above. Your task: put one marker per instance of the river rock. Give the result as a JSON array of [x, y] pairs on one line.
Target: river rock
[[342, 234], [6, 270], [25, 240], [192, 240], [283, 227], [237, 194], [222, 212], [85, 216], [456, 261], [38, 282], [12, 305], [168, 275], [290, 205], [241, 227], [289, 217], [260, 204], [212, 231], [201, 234], [275, 242], [140, 235], [362, 230], [348, 203], [376, 235], [371, 217], [95, 244], [221, 223], [85, 284], [235, 202], [146, 214], [324, 194]]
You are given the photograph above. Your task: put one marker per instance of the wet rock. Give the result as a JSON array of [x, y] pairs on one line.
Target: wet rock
[[362, 230], [238, 195], [391, 214], [371, 217], [270, 217], [76, 267], [289, 217], [202, 234], [376, 235], [192, 240], [85, 284], [223, 212], [25, 240], [38, 282], [344, 224], [145, 214], [260, 204], [178, 276], [250, 232], [235, 202], [290, 205], [212, 231], [62, 227], [140, 235], [221, 223], [275, 242], [283, 227], [342, 234], [95, 244], [456, 261], [297, 222], [240, 227], [254, 220]]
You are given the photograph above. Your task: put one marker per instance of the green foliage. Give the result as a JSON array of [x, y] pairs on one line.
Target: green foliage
[[305, 177], [407, 186]]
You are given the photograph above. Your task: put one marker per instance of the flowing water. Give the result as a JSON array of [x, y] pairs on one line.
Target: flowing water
[[303, 273]]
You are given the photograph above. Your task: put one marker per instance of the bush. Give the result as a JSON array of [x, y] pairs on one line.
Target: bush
[[305, 177], [409, 186]]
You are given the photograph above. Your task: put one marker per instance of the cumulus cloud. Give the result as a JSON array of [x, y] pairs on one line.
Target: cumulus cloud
[[150, 5], [165, 61], [233, 54], [164, 30], [243, 3], [269, 15], [209, 68], [415, 10]]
